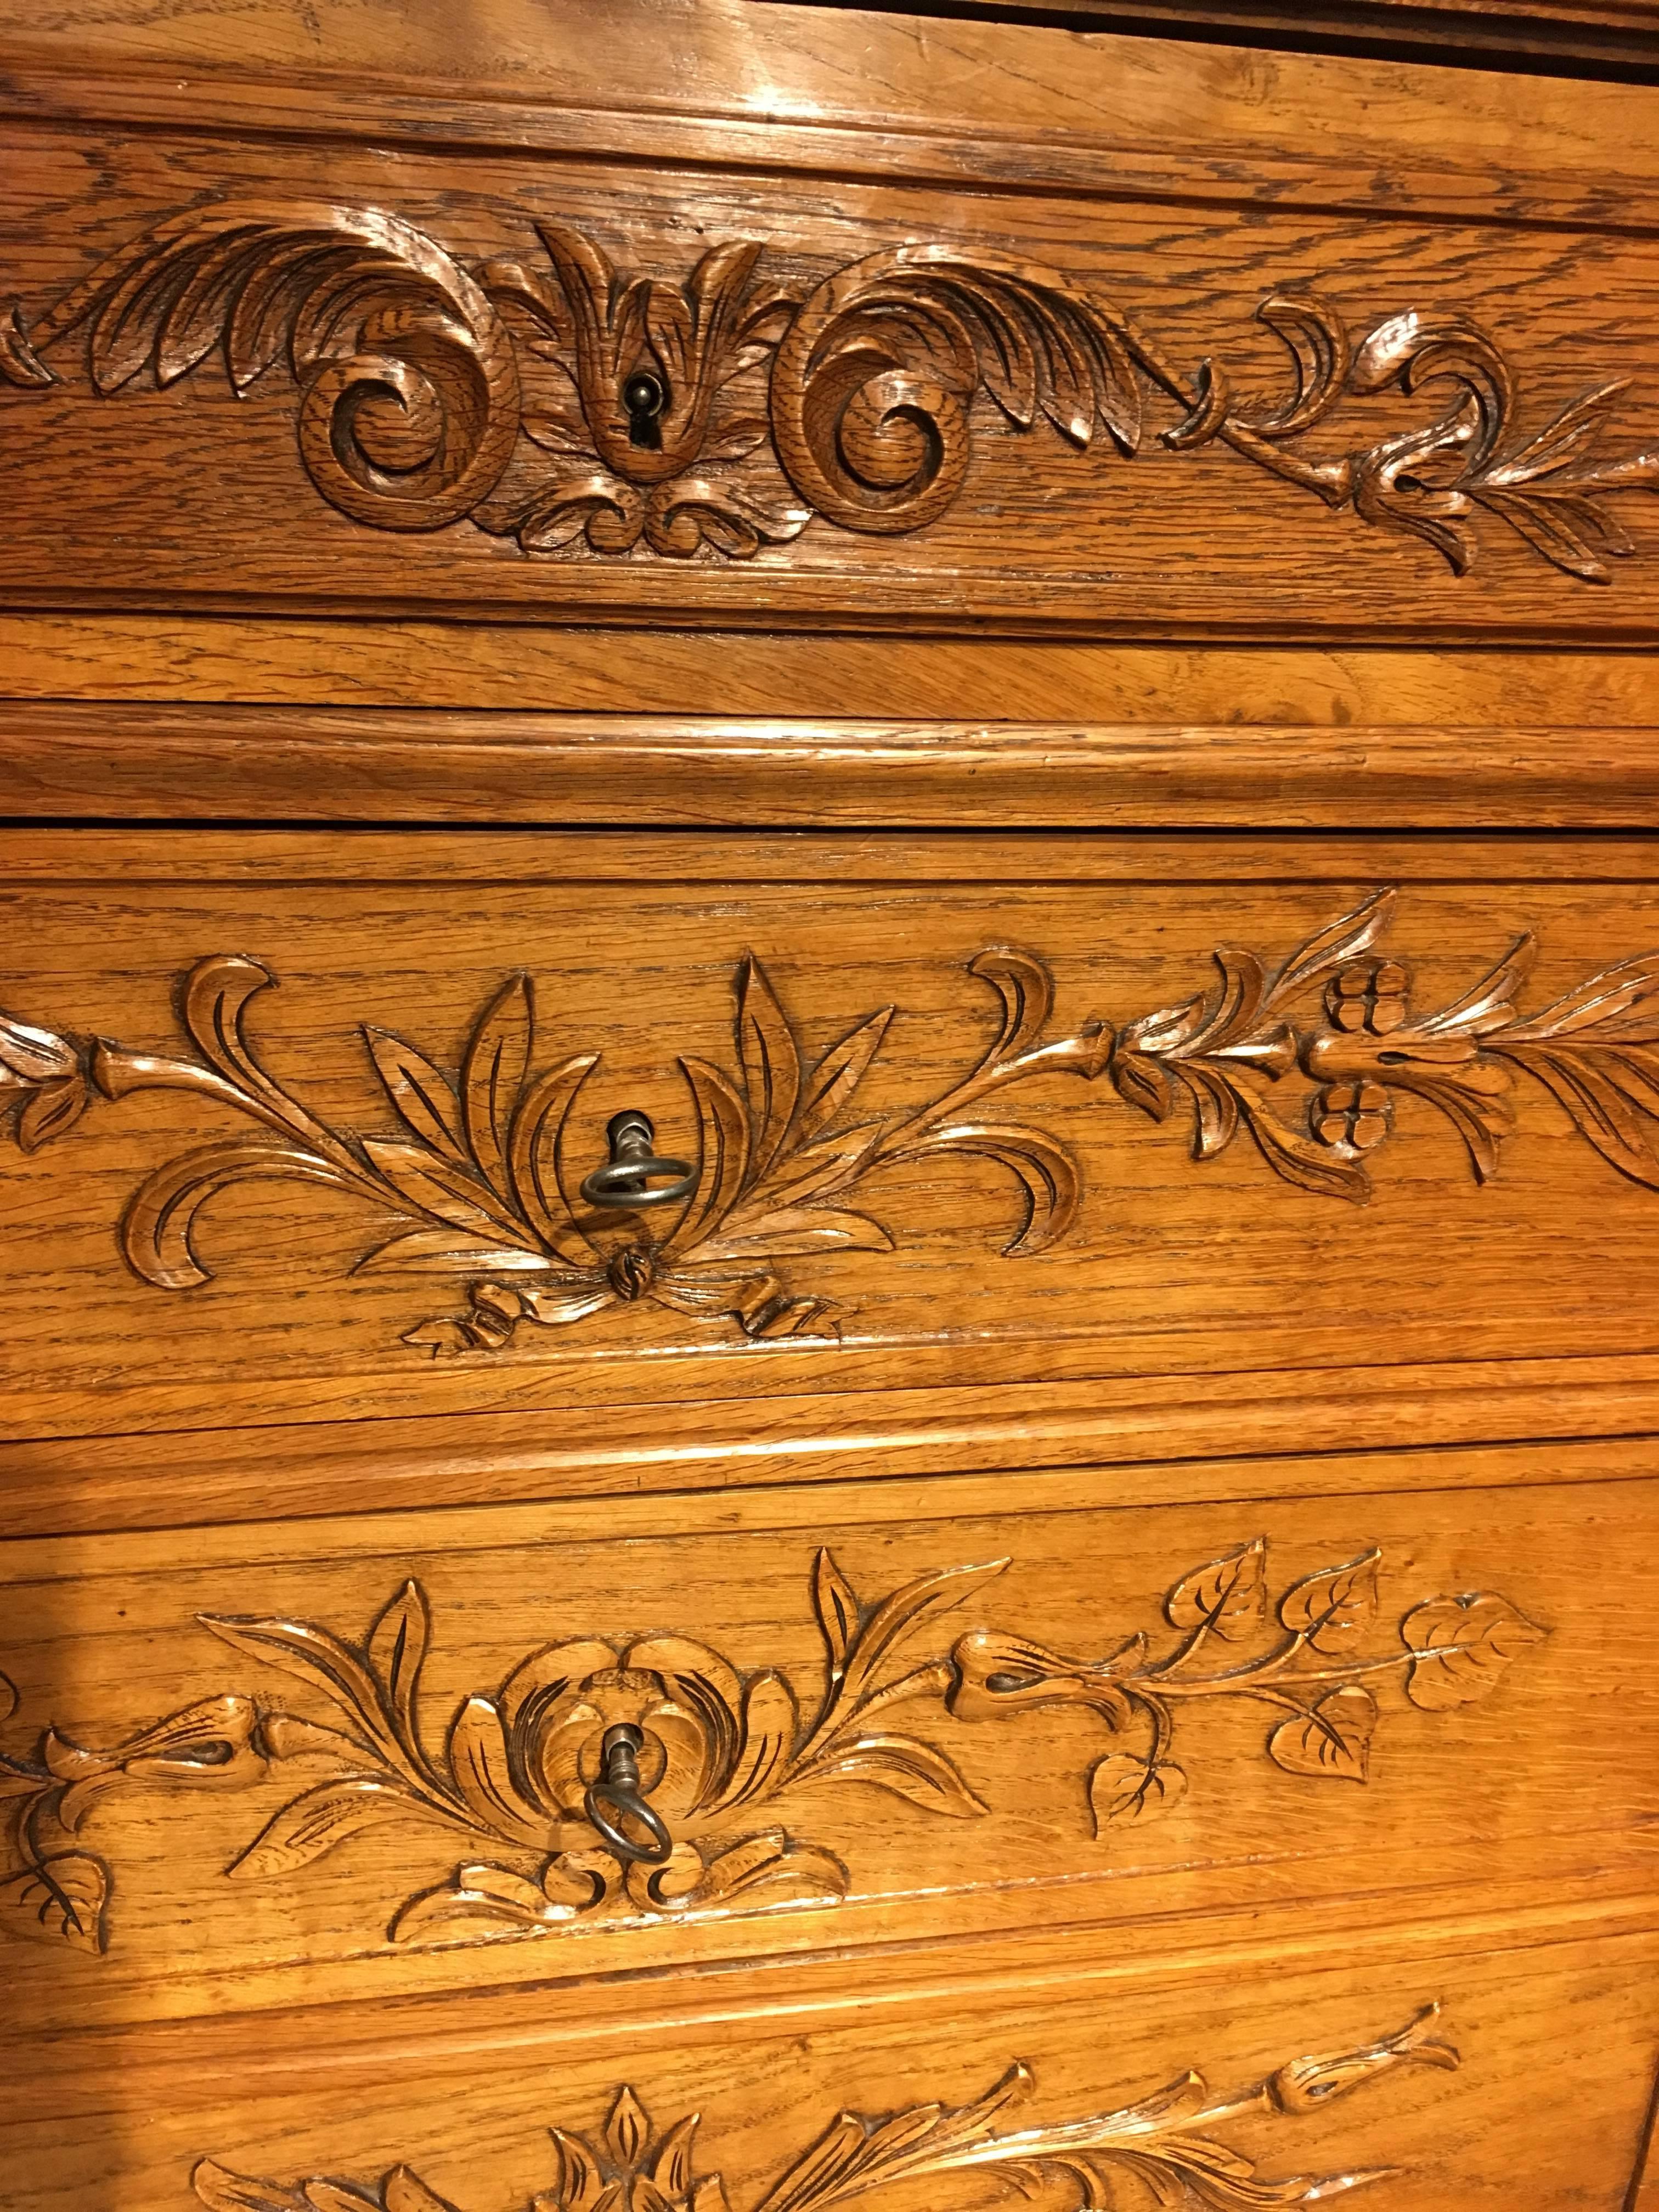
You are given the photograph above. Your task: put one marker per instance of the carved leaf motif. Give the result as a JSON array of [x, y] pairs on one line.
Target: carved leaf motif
[[538, 1131], [158, 1230], [838, 1074], [52, 1111], [421, 1093], [1463, 1644], [1039, 1164], [1332, 1739], [314, 1823], [1124, 1790], [1334, 1609], [492, 1075], [838, 1612], [903, 1764], [771, 1065], [1228, 1596], [396, 1651], [62, 1898], [221, 2190], [723, 1155]]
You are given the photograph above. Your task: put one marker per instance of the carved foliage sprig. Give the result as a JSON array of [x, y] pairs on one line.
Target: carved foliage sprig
[[478, 1177], [1161, 2142], [1314, 1676], [1595, 1050], [569, 404]]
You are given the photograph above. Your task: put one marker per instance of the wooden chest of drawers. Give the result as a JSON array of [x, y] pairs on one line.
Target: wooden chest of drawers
[[1019, 656]]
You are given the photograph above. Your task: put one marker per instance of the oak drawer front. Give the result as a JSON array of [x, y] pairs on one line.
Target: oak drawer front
[[960, 406], [1481, 2067], [942, 1097], [348, 1759]]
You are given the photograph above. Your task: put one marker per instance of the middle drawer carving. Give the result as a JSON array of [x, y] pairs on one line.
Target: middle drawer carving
[[381, 1733]]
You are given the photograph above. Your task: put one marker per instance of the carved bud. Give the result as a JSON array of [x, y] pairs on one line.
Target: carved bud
[[1306, 2083], [43, 1070]]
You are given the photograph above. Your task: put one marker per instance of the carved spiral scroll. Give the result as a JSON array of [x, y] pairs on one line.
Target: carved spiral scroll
[[874, 379], [410, 387]]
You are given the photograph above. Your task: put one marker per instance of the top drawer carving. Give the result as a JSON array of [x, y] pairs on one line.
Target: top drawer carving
[[499, 391]]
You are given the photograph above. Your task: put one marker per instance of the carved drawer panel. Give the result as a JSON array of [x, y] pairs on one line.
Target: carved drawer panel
[[353, 1758], [1478, 2070], [239, 372], [300, 1124]]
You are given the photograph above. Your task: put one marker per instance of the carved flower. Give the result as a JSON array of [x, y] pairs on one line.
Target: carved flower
[[1353, 1113], [1370, 994], [631, 2169], [524, 1758]]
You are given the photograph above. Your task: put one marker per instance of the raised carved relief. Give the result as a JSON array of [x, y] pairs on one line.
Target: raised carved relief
[[476, 1181], [1313, 1677], [513, 1767], [1157, 2147], [566, 404]]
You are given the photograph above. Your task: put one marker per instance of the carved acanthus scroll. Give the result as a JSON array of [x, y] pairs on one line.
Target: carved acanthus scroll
[[1160, 2143], [568, 404], [477, 1185]]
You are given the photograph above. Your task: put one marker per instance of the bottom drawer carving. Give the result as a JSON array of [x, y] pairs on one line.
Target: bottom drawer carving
[[1497, 2066], [1173, 2141]]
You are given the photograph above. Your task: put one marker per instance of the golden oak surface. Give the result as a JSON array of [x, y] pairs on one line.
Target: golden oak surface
[[1038, 644]]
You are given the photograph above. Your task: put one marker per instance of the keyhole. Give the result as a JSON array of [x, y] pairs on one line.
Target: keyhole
[[644, 397]]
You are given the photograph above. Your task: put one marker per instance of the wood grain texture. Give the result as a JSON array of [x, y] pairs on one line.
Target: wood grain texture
[[962, 102], [481, 491], [62, 759], [1160, 1444], [1484, 34], [472, 2119], [323, 1804], [975, 1200]]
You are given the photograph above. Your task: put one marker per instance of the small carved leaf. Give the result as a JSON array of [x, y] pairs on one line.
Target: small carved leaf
[[421, 1093], [30, 1056], [770, 1721], [1027, 992], [396, 1651], [839, 1074], [723, 1156], [771, 1063], [429, 1184], [903, 1764], [578, 2184], [1123, 1789], [1230, 1595], [479, 1902], [405, 2191], [1463, 1644], [221, 2190], [157, 1229], [53, 1111], [1334, 1740], [628, 2129], [1044, 1170], [1295, 1156], [1140, 1080], [898, 1617], [670, 2169], [61, 1899], [837, 1609], [770, 1862], [492, 1075], [537, 1130], [311, 1655], [313, 1824], [1321, 954], [1334, 1608]]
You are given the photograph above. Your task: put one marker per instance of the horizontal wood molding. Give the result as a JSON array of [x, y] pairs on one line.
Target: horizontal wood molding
[[965, 102], [1135, 1441], [357, 764]]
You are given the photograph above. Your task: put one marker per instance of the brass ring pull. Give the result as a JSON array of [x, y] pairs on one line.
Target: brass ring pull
[[619, 1787], [630, 1176]]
